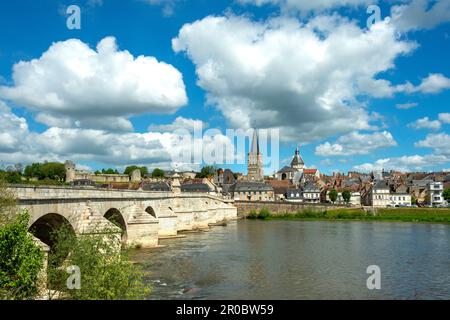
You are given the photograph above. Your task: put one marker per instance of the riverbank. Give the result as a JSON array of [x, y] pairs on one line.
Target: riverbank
[[430, 215]]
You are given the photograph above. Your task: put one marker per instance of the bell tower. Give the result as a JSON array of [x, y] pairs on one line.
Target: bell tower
[[255, 163]]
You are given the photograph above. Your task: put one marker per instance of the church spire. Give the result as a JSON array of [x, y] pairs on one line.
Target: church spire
[[255, 143]]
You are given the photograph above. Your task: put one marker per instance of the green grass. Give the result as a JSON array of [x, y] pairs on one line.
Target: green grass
[[394, 215]]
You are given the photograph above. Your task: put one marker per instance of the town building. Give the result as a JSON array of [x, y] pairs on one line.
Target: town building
[[252, 191]]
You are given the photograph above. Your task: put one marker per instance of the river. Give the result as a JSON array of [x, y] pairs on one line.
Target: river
[[302, 260]]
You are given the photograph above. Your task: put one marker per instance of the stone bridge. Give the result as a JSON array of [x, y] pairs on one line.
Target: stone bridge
[[143, 216]]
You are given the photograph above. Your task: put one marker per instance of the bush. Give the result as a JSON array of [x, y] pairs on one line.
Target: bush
[[21, 260], [252, 215], [106, 271], [264, 213]]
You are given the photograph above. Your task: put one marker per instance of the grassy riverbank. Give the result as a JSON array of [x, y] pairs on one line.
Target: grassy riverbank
[[394, 215]]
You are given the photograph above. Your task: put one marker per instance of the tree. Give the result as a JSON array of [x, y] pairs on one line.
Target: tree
[[106, 271], [46, 170], [413, 200], [158, 173], [21, 260], [129, 170], [446, 194], [7, 204], [333, 194], [346, 195], [110, 171], [206, 172]]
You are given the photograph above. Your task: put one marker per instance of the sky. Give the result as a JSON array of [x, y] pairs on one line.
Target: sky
[[353, 89]]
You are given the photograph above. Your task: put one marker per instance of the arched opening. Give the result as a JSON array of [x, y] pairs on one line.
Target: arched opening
[[283, 176], [150, 211], [50, 229], [114, 216]]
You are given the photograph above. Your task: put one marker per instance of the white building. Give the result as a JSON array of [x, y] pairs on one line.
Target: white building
[[400, 199], [379, 195], [435, 193]]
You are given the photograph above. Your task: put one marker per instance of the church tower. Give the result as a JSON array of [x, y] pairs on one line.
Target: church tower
[[297, 161], [255, 163]]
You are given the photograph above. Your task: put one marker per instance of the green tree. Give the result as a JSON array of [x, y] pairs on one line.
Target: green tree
[[110, 171], [106, 271], [7, 204], [333, 195], [346, 195], [413, 200], [129, 170], [206, 172], [446, 194], [46, 170], [158, 173], [21, 260]]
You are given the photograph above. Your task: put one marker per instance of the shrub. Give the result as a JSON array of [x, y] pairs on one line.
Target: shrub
[[106, 271], [252, 215], [21, 260], [264, 213]]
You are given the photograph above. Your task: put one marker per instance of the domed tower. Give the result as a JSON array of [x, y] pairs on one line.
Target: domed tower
[[297, 161], [255, 163]]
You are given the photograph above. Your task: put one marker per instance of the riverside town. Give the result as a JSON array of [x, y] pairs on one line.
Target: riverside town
[[193, 154]]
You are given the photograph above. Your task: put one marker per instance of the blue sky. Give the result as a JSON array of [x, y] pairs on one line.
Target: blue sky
[[353, 98]]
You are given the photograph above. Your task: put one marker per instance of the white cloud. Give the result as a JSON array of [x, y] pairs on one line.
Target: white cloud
[[356, 143], [180, 123], [406, 106], [444, 117], [168, 6], [434, 83], [425, 123], [420, 14], [405, 163], [302, 78], [72, 85], [439, 142], [305, 6], [163, 149]]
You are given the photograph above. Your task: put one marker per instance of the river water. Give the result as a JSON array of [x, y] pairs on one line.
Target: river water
[[302, 260]]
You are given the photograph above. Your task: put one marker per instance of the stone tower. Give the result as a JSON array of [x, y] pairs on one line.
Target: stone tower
[[70, 171], [255, 163]]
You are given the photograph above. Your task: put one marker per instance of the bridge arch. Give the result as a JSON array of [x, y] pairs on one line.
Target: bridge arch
[[46, 229], [151, 211], [115, 216]]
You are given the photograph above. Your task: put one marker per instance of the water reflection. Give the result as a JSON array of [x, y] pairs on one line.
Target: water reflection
[[302, 260]]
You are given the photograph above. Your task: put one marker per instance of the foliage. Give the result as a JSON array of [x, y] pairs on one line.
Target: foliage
[[106, 272], [110, 171], [129, 170], [46, 170], [346, 195], [206, 172], [413, 200], [11, 176], [446, 194], [158, 173], [333, 194], [7, 204], [263, 214], [21, 260]]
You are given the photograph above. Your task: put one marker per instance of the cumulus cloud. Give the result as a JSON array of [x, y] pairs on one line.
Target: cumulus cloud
[[302, 78], [356, 143], [406, 106], [440, 143], [444, 118], [164, 149], [420, 14], [405, 163], [425, 123], [72, 85], [179, 124], [305, 6]]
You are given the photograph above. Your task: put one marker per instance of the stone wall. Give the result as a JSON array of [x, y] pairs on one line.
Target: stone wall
[[245, 207]]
